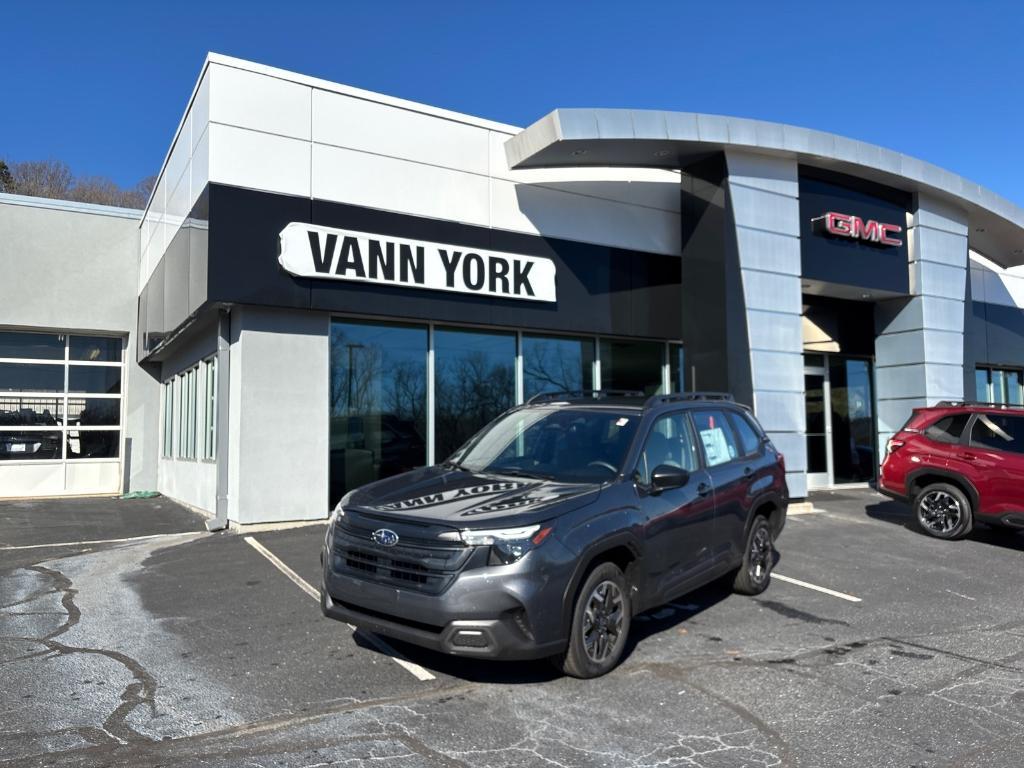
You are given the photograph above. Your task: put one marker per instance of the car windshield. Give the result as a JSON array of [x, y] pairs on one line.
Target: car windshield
[[582, 445]]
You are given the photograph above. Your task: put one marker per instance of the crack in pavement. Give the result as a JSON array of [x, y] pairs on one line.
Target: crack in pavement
[[140, 692]]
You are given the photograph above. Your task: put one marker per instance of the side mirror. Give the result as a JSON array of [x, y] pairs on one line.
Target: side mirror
[[665, 477]]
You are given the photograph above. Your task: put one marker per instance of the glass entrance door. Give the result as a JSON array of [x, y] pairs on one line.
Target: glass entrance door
[[840, 420]]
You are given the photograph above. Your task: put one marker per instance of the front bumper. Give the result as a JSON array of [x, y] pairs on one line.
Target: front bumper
[[499, 612]]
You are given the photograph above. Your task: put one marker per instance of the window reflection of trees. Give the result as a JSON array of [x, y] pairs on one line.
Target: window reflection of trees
[[366, 379], [472, 389], [554, 365]]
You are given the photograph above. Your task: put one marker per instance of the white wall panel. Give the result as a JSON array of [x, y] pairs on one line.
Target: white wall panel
[[765, 210], [199, 113], [769, 251], [537, 209], [347, 176], [259, 160], [344, 121], [22, 480], [191, 482], [267, 104], [199, 168]]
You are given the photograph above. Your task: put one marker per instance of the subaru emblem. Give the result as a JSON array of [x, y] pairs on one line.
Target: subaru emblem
[[385, 537]]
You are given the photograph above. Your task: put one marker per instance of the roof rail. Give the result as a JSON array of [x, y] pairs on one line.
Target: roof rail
[[596, 394], [976, 404], [681, 397]]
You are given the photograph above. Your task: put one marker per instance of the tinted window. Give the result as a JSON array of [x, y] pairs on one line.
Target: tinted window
[[98, 348], [552, 364], [32, 346], [22, 446], [948, 429], [631, 365], [100, 379], [31, 411], [378, 402], [670, 442], [716, 437], [29, 377], [93, 444], [750, 440], [475, 381], [562, 444], [998, 431]]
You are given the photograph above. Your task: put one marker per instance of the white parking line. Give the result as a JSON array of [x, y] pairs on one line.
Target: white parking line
[[98, 541], [816, 588], [414, 669]]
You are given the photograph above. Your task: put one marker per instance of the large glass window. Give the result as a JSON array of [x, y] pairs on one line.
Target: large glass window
[[553, 364], [999, 385], [378, 402], [168, 447], [210, 409], [632, 365], [60, 396], [676, 368], [475, 381]]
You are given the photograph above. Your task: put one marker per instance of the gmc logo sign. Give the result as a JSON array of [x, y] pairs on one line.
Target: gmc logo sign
[[855, 228]]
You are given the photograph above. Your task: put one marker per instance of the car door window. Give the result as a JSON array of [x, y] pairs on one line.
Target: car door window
[[750, 440], [670, 442], [999, 432], [715, 437]]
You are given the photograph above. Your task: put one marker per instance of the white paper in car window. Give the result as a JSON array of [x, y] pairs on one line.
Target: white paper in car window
[[716, 447]]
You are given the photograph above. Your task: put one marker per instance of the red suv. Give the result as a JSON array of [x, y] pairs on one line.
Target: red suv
[[959, 463]]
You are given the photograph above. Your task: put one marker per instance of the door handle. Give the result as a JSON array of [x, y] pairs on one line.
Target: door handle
[[747, 471], [966, 456], [703, 489]]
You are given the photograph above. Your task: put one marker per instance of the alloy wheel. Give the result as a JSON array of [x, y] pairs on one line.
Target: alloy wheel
[[940, 512], [602, 621], [759, 562]]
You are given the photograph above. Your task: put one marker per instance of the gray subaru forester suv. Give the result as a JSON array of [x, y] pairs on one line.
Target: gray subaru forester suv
[[556, 524]]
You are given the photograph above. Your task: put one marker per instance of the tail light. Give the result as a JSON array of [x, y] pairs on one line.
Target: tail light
[[893, 445]]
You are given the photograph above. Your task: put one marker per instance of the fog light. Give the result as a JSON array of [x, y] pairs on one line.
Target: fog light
[[470, 638]]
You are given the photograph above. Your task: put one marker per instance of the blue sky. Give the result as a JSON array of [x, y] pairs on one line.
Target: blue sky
[[102, 85]]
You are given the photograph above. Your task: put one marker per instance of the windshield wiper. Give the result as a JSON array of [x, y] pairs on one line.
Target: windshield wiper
[[514, 472], [453, 465]]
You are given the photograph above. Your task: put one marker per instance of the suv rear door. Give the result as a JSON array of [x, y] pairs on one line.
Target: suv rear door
[[993, 460], [731, 476]]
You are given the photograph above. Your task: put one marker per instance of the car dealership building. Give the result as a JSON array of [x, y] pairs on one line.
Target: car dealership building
[[330, 286]]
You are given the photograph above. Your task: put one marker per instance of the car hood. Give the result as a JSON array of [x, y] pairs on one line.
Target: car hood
[[465, 499]]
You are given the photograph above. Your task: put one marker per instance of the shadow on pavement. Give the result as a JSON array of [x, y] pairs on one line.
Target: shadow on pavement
[[901, 514], [652, 622]]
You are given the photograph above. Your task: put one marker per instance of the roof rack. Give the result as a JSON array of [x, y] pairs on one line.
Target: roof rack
[[596, 394], [682, 397], [976, 404]]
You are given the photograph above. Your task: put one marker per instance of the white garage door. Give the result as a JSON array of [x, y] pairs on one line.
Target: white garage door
[[60, 413]]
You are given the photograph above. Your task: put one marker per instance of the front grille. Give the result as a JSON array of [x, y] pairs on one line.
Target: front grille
[[426, 566]]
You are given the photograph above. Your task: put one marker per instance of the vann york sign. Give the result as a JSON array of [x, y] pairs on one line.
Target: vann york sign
[[856, 228], [338, 254]]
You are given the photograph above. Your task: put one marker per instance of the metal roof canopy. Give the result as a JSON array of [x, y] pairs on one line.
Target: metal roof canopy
[[671, 140]]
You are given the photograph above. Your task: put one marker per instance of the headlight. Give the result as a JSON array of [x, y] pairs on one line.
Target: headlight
[[339, 510], [507, 544]]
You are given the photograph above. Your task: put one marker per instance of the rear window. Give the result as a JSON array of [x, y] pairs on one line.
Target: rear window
[[948, 429]]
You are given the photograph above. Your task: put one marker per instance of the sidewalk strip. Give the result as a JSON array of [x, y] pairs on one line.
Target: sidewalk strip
[[414, 669], [99, 541], [816, 588]]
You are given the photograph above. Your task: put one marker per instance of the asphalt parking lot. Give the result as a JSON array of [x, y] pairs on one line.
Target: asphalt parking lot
[[190, 648]]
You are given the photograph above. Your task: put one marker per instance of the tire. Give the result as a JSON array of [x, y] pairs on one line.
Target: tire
[[595, 648], [942, 510], [755, 573]]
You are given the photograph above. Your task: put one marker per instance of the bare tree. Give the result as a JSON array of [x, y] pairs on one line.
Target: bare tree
[[54, 179]]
